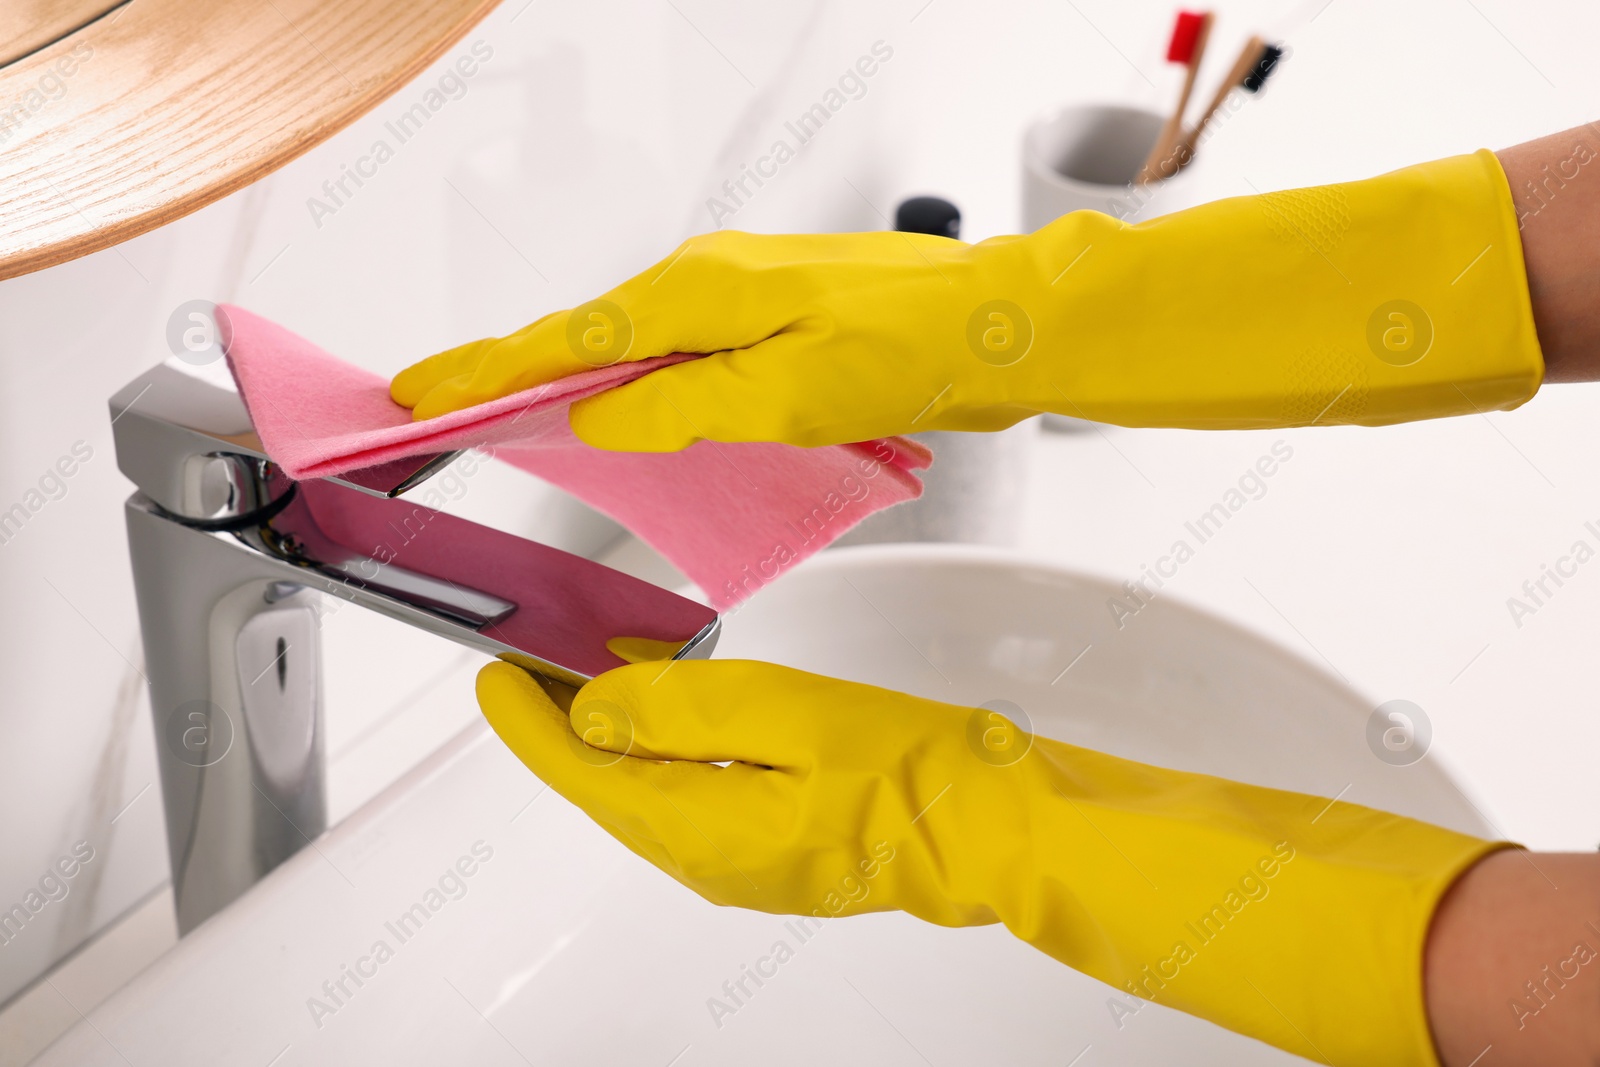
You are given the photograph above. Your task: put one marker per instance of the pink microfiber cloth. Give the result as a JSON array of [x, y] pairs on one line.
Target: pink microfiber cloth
[[730, 516]]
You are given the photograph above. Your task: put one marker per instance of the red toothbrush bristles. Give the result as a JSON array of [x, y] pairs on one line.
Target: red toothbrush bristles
[[1184, 34]]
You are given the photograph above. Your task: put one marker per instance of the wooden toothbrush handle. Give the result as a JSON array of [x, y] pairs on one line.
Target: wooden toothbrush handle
[[1172, 130], [1248, 57]]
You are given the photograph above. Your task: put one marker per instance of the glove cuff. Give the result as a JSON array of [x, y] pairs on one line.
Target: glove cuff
[[1292, 919], [1397, 298]]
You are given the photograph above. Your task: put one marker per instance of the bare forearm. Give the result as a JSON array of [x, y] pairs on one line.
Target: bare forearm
[[1556, 184], [1513, 962]]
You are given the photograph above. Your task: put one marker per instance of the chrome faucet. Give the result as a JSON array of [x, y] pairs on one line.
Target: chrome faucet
[[230, 561]]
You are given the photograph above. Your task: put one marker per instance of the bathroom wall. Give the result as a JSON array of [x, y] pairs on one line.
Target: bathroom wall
[[581, 149], [585, 146]]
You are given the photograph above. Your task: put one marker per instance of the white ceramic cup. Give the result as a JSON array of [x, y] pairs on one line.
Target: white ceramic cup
[[1085, 157]]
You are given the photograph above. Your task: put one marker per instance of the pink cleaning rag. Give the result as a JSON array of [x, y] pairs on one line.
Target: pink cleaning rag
[[730, 516]]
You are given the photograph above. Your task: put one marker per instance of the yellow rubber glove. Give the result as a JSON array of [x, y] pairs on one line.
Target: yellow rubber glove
[[1287, 917], [1401, 297]]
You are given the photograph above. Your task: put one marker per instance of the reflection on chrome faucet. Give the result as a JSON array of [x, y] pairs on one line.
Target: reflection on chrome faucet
[[231, 562]]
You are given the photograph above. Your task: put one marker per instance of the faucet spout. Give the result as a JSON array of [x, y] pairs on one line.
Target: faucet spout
[[232, 562]]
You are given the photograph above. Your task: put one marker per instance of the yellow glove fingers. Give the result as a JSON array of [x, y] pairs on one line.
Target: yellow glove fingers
[[421, 378], [658, 312], [642, 416], [741, 395], [755, 713], [701, 300], [701, 711], [612, 788], [450, 371], [494, 368], [643, 649], [671, 814]]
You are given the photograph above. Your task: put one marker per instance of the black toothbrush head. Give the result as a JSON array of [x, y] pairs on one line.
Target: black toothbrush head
[[1266, 63]]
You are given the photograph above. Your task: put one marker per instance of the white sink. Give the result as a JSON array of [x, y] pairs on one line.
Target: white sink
[[562, 947]]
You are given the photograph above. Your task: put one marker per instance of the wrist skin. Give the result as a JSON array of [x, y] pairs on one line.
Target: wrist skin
[[1513, 962], [1555, 183], [1510, 970]]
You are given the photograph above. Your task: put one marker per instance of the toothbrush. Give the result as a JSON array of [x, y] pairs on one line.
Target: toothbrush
[[1187, 46], [1254, 65]]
